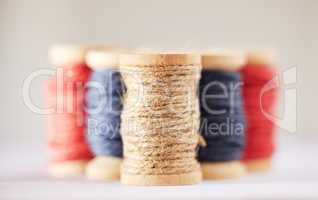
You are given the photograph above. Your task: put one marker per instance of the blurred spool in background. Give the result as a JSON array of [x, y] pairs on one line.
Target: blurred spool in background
[[220, 90], [257, 74], [104, 103], [67, 145], [219, 159]]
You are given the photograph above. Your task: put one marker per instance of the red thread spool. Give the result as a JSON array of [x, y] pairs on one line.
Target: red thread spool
[[65, 93], [256, 75]]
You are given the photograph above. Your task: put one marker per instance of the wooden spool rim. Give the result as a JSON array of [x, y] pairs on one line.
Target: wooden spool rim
[[102, 59], [229, 61], [189, 178], [261, 57], [223, 170], [74, 168], [68, 54], [258, 165], [105, 168], [155, 59]]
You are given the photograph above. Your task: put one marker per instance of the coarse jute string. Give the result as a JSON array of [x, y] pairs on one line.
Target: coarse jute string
[[160, 119]]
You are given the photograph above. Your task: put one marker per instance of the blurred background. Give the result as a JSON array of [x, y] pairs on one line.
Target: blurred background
[[29, 27]]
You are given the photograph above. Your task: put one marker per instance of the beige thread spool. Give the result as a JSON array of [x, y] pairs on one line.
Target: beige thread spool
[[160, 119], [260, 58], [103, 167], [226, 61]]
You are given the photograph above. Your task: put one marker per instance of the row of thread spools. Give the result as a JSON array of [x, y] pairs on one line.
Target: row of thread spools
[[159, 118]]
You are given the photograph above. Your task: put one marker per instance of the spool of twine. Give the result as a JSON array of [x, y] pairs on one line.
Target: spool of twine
[[160, 119], [67, 145], [257, 74], [104, 103], [222, 118]]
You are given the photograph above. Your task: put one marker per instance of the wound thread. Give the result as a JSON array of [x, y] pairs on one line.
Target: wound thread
[[260, 130], [222, 118], [160, 122], [66, 126], [104, 103]]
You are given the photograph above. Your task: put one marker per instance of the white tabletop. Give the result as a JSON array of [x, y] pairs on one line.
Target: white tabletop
[[294, 175]]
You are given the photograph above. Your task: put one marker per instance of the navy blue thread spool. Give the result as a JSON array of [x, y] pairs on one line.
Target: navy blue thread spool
[[104, 106], [222, 118]]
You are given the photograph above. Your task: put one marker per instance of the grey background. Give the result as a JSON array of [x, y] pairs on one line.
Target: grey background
[[29, 27]]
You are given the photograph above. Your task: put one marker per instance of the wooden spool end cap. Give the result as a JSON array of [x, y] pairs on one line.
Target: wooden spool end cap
[[223, 170], [103, 59], [158, 59], [261, 57], [190, 178], [223, 60], [258, 165], [104, 168], [67, 169], [64, 55]]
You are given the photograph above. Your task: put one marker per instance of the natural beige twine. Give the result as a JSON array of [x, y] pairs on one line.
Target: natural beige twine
[[160, 121]]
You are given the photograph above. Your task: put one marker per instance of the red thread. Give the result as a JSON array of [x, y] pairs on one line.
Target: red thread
[[67, 125], [259, 142]]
